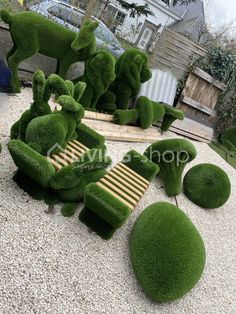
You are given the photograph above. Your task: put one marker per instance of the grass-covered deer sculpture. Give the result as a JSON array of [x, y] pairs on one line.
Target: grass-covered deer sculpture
[[32, 33]]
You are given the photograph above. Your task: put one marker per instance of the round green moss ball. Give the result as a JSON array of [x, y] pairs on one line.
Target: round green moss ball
[[167, 252], [207, 185]]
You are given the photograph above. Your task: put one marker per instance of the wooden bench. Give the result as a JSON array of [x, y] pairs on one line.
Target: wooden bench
[[73, 151], [124, 184]]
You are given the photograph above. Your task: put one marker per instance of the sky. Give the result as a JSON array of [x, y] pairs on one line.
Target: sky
[[220, 12]]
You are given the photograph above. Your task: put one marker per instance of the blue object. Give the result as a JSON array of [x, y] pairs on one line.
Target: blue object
[[5, 77]]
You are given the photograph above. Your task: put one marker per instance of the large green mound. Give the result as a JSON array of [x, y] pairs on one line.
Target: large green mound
[[167, 252], [207, 185]]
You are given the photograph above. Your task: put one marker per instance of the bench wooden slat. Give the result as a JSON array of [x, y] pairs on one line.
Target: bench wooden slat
[[75, 146], [59, 160], [119, 173], [54, 163], [74, 151], [80, 144], [125, 183], [134, 173], [69, 155], [114, 194], [128, 174], [64, 156], [122, 187], [120, 192]]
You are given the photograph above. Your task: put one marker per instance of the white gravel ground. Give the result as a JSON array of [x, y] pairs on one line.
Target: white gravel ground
[[50, 264]]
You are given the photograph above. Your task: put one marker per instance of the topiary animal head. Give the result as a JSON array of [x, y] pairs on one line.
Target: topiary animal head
[[70, 106], [171, 156], [100, 69], [86, 36]]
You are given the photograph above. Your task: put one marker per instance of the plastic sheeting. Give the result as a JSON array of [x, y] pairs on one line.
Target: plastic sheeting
[[161, 87]]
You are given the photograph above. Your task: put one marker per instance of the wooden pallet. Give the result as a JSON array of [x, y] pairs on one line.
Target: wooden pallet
[[73, 151], [103, 124], [124, 184]]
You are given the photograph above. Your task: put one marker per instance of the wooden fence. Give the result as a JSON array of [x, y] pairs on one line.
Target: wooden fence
[[176, 52], [200, 96]]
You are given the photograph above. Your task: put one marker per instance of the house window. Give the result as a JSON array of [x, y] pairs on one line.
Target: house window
[[117, 17], [120, 17]]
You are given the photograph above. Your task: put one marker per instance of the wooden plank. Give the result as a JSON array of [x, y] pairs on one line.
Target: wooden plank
[[134, 173], [77, 147], [130, 176], [117, 178], [98, 116], [65, 157], [101, 185], [116, 132], [120, 192], [202, 74], [80, 145], [123, 176], [55, 164], [197, 105], [121, 187], [74, 151], [59, 160], [185, 39]]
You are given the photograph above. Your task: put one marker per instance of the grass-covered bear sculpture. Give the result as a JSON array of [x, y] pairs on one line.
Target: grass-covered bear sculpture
[[146, 113], [32, 33], [131, 71], [98, 75]]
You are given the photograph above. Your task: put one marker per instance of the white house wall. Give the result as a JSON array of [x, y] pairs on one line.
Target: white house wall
[[160, 17], [161, 87]]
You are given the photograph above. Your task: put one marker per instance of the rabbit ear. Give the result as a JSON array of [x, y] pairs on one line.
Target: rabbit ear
[[79, 90], [69, 104], [93, 26]]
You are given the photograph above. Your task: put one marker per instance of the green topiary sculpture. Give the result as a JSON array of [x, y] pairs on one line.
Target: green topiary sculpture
[[171, 156], [98, 74], [171, 114], [167, 252], [228, 138], [57, 128], [146, 113], [131, 70], [31, 33], [207, 185], [42, 91]]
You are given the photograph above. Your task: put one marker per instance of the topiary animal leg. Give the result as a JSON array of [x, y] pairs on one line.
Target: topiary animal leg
[[10, 52], [123, 95], [64, 65], [14, 60]]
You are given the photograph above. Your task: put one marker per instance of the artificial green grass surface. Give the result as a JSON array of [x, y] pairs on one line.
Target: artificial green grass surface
[[167, 252], [69, 209], [171, 115], [207, 185], [171, 156], [105, 205], [141, 164], [32, 33], [227, 155], [31, 162]]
